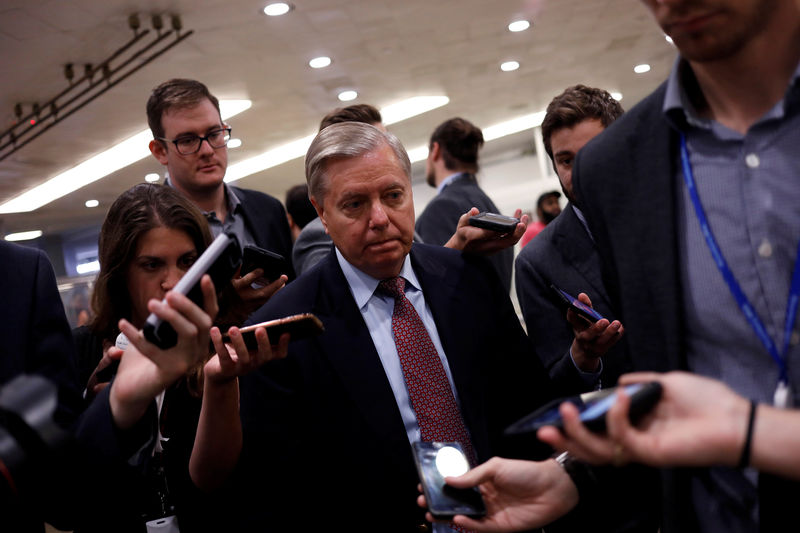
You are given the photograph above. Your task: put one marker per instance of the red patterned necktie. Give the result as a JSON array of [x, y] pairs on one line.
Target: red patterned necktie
[[432, 399]]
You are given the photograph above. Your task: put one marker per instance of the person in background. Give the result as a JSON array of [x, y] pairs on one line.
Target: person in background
[[299, 210], [190, 140], [547, 209], [451, 168]]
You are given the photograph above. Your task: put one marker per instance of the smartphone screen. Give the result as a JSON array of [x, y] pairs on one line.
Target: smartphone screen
[[592, 406], [435, 461], [576, 305]]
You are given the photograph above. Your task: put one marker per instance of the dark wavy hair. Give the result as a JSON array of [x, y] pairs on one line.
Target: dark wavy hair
[[134, 213]]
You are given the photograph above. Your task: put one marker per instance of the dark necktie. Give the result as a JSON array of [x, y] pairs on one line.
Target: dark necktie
[[432, 399]]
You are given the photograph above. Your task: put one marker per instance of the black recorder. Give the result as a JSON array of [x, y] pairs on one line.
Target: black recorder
[[494, 222], [220, 261]]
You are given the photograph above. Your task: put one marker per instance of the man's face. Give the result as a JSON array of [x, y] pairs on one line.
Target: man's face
[[565, 144], [368, 211], [203, 170], [709, 30], [549, 209]]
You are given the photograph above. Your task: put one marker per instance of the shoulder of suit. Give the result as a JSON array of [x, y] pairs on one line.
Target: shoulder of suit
[[246, 195]]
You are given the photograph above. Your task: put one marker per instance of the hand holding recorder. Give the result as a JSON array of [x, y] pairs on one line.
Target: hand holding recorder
[[487, 233]]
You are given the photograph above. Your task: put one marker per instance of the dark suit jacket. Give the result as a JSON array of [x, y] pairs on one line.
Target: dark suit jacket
[[36, 340], [322, 427], [563, 255], [625, 179], [439, 220], [265, 218]]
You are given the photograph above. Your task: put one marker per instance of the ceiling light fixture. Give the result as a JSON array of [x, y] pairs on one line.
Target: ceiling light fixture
[[119, 156], [508, 66], [91, 203], [234, 143], [88, 268], [24, 235], [347, 96], [668, 39], [152, 177], [616, 96], [391, 114], [519, 25], [641, 69], [277, 9], [320, 62]]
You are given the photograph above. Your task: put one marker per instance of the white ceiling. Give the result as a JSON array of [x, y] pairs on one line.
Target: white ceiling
[[387, 50]]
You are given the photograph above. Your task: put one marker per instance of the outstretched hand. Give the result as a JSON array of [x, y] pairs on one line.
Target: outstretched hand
[[592, 340], [234, 359], [518, 494], [481, 241]]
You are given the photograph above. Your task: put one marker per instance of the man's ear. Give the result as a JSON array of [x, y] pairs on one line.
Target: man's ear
[[320, 212], [436, 151], [159, 151]]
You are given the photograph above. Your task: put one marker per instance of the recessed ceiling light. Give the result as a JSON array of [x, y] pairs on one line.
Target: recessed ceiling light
[[92, 203], [346, 96], [152, 177], [234, 143], [668, 38], [118, 156], [508, 66], [24, 235], [519, 25], [641, 69], [277, 9], [320, 62], [616, 96]]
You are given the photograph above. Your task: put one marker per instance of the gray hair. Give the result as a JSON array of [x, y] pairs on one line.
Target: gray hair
[[347, 140]]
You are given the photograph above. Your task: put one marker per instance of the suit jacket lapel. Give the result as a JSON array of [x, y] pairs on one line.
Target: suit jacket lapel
[[349, 348]]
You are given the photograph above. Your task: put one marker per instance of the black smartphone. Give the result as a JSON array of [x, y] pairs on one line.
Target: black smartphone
[[494, 222], [435, 461], [567, 301], [298, 326], [271, 263], [593, 407], [220, 261]]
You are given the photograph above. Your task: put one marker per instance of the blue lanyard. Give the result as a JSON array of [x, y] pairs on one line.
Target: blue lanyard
[[744, 304]]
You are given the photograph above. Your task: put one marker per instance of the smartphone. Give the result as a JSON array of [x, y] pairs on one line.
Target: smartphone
[[593, 407], [298, 326], [435, 461], [494, 222], [271, 263], [567, 301], [220, 261]]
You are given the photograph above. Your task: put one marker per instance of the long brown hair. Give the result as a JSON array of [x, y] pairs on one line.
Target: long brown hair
[[134, 213]]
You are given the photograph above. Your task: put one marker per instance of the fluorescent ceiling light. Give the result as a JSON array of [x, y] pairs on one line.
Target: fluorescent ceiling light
[[519, 25], [88, 268], [234, 143], [123, 154], [641, 69], [152, 177], [91, 203], [277, 9], [24, 235], [320, 62], [508, 66], [346, 96], [411, 107], [509, 127]]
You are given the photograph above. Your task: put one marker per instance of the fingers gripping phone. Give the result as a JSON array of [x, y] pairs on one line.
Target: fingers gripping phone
[[593, 407], [298, 326], [567, 301], [435, 461], [271, 263], [494, 222], [220, 261]]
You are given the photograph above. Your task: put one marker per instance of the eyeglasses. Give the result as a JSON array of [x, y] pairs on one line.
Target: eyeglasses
[[190, 144]]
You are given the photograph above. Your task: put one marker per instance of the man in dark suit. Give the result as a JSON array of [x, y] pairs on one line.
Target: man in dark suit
[[329, 429], [190, 139], [705, 169], [451, 167], [564, 253], [36, 341]]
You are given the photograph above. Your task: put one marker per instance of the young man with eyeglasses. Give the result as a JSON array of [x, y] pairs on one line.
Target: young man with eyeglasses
[[190, 139]]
